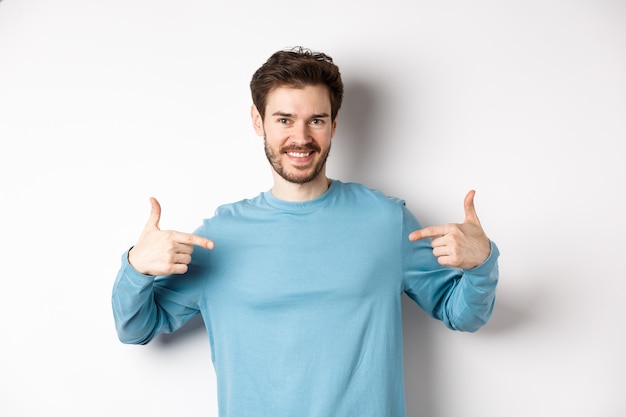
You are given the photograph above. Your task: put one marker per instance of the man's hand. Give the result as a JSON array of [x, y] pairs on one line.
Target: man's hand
[[462, 246], [163, 252]]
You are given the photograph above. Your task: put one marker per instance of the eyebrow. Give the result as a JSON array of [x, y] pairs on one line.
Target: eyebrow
[[314, 116]]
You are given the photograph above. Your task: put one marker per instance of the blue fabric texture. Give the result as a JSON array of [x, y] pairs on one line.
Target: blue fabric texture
[[302, 302]]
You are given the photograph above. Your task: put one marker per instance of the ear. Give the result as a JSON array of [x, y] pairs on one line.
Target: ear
[[257, 121]]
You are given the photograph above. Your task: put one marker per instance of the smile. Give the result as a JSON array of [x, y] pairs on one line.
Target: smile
[[299, 154]]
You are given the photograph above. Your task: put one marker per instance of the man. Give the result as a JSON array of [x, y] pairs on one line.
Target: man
[[300, 287]]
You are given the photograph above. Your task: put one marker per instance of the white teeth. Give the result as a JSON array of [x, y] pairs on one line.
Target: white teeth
[[299, 154]]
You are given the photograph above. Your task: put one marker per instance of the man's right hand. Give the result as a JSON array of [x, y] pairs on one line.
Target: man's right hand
[[163, 252]]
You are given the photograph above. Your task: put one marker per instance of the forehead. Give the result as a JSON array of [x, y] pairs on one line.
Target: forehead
[[307, 99]]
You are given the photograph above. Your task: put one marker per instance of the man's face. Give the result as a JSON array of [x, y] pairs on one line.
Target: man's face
[[297, 131]]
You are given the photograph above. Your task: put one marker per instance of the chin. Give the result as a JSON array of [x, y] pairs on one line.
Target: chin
[[300, 177]]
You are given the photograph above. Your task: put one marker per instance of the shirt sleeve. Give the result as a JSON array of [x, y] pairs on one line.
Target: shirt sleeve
[[462, 299], [144, 306]]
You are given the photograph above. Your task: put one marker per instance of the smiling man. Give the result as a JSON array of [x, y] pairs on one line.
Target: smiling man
[[300, 287]]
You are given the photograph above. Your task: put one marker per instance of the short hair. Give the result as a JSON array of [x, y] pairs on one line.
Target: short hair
[[297, 67]]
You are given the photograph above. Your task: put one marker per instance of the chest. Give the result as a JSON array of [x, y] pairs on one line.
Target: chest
[[295, 260]]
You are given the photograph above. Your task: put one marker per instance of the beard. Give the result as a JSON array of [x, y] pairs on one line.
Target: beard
[[301, 176]]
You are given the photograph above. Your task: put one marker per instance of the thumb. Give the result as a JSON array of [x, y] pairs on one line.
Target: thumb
[[155, 215], [470, 210]]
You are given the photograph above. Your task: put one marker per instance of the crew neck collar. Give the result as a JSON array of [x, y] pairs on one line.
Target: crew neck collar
[[300, 205]]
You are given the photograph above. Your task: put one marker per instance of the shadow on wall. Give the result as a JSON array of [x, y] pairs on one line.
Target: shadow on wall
[[355, 154]]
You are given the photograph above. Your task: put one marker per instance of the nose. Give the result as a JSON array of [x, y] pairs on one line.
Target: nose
[[301, 133]]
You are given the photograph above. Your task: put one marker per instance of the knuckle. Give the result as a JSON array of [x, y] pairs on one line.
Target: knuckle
[[169, 235]]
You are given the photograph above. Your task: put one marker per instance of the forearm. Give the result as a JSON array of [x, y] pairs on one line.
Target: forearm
[[134, 310], [470, 303]]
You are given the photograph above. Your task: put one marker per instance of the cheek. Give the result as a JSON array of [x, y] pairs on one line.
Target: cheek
[[273, 134], [324, 136], [275, 138]]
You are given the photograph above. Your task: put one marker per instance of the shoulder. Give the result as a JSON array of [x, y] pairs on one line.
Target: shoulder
[[363, 194], [228, 215], [237, 208]]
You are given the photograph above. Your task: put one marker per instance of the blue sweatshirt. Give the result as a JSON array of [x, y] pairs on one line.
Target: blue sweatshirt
[[302, 302]]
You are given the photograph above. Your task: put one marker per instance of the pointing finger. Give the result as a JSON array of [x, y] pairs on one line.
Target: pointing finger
[[433, 231], [191, 239]]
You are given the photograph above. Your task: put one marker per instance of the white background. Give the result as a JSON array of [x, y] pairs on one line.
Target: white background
[[104, 104]]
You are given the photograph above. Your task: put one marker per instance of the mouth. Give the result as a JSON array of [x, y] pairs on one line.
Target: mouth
[[301, 155], [300, 159], [295, 154]]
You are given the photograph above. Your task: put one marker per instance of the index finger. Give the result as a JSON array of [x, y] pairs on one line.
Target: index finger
[[432, 231], [191, 239]]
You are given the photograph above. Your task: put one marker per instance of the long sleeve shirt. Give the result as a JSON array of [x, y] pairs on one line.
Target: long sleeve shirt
[[302, 302]]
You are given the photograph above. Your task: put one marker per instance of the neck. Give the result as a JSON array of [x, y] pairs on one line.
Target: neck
[[289, 191]]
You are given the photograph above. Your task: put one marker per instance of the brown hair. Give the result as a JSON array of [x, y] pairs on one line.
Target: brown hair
[[297, 67]]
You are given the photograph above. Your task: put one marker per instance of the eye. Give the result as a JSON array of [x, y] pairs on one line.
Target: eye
[[317, 121], [283, 121]]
